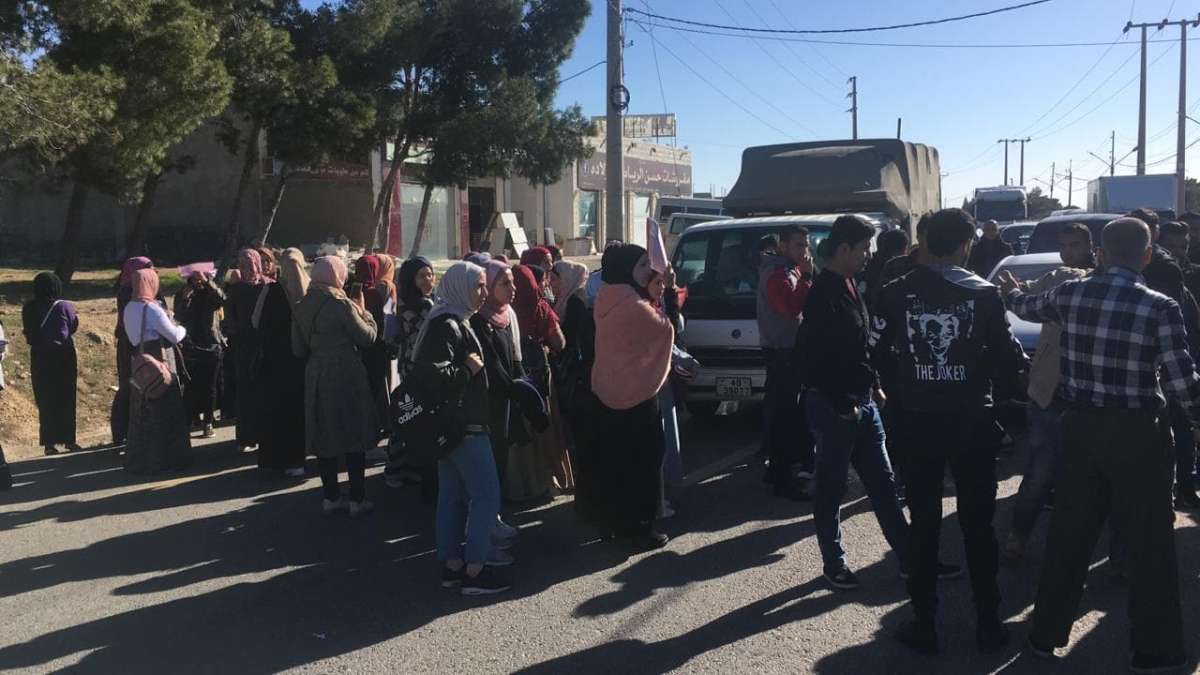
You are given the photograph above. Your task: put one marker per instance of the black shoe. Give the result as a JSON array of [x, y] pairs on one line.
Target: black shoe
[[1186, 497], [1040, 651], [1149, 663], [992, 636], [945, 572], [919, 636], [650, 541], [452, 578], [843, 579], [791, 490], [487, 582], [51, 450]]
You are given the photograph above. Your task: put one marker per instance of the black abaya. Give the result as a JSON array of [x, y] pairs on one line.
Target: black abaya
[[281, 434]]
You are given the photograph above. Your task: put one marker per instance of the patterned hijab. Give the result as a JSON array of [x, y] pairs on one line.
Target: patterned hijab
[[250, 266]]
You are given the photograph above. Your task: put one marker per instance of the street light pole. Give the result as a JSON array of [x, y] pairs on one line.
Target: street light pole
[[617, 99]]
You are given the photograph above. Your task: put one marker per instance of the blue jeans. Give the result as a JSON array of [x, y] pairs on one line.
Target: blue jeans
[[673, 458], [468, 500], [1041, 467], [840, 444]]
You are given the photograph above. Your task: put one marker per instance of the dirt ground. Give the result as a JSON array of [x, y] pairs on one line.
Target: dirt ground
[[94, 294]]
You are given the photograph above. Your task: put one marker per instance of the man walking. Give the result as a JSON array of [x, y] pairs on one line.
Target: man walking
[[947, 329], [1118, 335], [990, 250], [783, 285], [834, 357], [1045, 408]]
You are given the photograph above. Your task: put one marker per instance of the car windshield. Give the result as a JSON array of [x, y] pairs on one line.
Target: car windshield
[[719, 268], [1045, 236], [1026, 271], [1013, 233]]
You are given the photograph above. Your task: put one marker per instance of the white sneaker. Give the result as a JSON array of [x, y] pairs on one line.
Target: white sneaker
[[332, 507], [294, 473], [502, 530], [498, 558], [358, 509]]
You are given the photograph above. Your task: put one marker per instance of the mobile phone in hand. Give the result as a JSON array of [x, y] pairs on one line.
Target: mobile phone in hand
[[356, 289]]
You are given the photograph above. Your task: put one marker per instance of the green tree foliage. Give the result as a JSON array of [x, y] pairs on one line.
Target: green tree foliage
[[467, 83], [1040, 205]]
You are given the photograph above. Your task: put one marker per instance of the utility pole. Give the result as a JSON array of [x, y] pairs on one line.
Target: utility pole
[[1070, 183], [1112, 150], [1005, 141], [899, 125], [1141, 139], [617, 98], [853, 96], [1023, 141], [1053, 179]]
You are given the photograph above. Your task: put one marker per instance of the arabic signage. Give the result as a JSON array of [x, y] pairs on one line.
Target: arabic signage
[[641, 175], [335, 171], [641, 126]]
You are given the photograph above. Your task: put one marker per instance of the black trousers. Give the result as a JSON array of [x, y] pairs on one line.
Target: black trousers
[[628, 464], [201, 393], [356, 466], [1116, 465], [785, 422], [1184, 444], [933, 441]]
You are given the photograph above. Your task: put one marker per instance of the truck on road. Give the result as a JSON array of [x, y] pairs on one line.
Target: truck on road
[[1122, 194], [1003, 204]]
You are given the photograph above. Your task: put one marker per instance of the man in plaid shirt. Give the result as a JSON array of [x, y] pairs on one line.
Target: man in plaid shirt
[[1117, 337]]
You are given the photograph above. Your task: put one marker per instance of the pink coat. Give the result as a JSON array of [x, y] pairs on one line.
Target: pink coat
[[633, 348]]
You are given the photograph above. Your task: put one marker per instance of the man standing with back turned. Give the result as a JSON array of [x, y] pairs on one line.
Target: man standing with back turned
[[947, 331], [1117, 334]]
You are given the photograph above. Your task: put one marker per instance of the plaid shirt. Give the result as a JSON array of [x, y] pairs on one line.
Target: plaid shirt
[[1117, 335]]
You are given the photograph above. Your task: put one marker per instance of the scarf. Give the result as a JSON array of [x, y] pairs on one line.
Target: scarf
[[293, 275], [406, 281], [496, 313], [387, 275], [571, 276], [132, 265], [453, 298], [366, 271], [616, 267], [145, 285], [538, 256], [250, 266], [329, 271], [534, 315]]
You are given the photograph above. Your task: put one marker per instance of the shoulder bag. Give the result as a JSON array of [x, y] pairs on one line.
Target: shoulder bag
[[148, 375], [424, 431]]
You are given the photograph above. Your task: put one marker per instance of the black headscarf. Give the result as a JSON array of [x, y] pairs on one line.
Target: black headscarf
[[47, 288], [616, 266], [406, 281]]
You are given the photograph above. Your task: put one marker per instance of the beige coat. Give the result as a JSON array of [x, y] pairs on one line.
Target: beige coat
[[329, 330]]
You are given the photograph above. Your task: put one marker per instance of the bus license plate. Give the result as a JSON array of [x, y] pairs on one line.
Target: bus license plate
[[733, 387]]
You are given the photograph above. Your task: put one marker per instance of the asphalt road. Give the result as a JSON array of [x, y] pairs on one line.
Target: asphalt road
[[223, 569]]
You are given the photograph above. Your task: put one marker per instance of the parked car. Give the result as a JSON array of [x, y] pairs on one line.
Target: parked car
[[717, 265], [1045, 236], [1017, 235], [1028, 267]]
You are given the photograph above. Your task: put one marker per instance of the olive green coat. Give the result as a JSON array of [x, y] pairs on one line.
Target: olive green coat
[[329, 330]]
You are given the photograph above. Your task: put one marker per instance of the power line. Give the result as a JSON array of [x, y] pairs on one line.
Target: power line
[[826, 31], [911, 45], [1078, 82], [789, 47], [1090, 94], [717, 89], [779, 63], [818, 52], [585, 70]]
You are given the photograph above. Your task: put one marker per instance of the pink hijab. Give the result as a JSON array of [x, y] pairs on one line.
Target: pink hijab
[[250, 266], [496, 313], [133, 265], [145, 285], [329, 271]]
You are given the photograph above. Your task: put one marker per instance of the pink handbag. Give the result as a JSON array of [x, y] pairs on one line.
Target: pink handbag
[[148, 375]]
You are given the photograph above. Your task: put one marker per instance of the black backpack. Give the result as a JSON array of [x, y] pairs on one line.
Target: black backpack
[[424, 431]]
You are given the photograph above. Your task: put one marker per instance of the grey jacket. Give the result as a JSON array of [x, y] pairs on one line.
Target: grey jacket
[[775, 331]]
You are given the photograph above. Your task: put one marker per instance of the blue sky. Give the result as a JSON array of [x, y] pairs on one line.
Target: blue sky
[[958, 100]]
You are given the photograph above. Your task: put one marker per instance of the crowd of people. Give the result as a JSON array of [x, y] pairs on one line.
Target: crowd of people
[[546, 378]]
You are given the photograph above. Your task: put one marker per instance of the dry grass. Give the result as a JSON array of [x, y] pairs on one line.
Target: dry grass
[[94, 295]]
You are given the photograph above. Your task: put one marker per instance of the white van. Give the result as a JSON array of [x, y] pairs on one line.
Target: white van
[[679, 223], [716, 266]]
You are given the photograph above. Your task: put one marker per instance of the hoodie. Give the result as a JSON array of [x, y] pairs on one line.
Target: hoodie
[[782, 293], [947, 332], [633, 348]]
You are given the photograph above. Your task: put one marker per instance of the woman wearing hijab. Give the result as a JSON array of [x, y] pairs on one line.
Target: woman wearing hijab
[[449, 366], [329, 330], [495, 325], [281, 373], [244, 300], [633, 357], [540, 332], [270, 269], [119, 415], [538, 256], [574, 375], [196, 307], [414, 282], [375, 358], [49, 323], [158, 428]]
